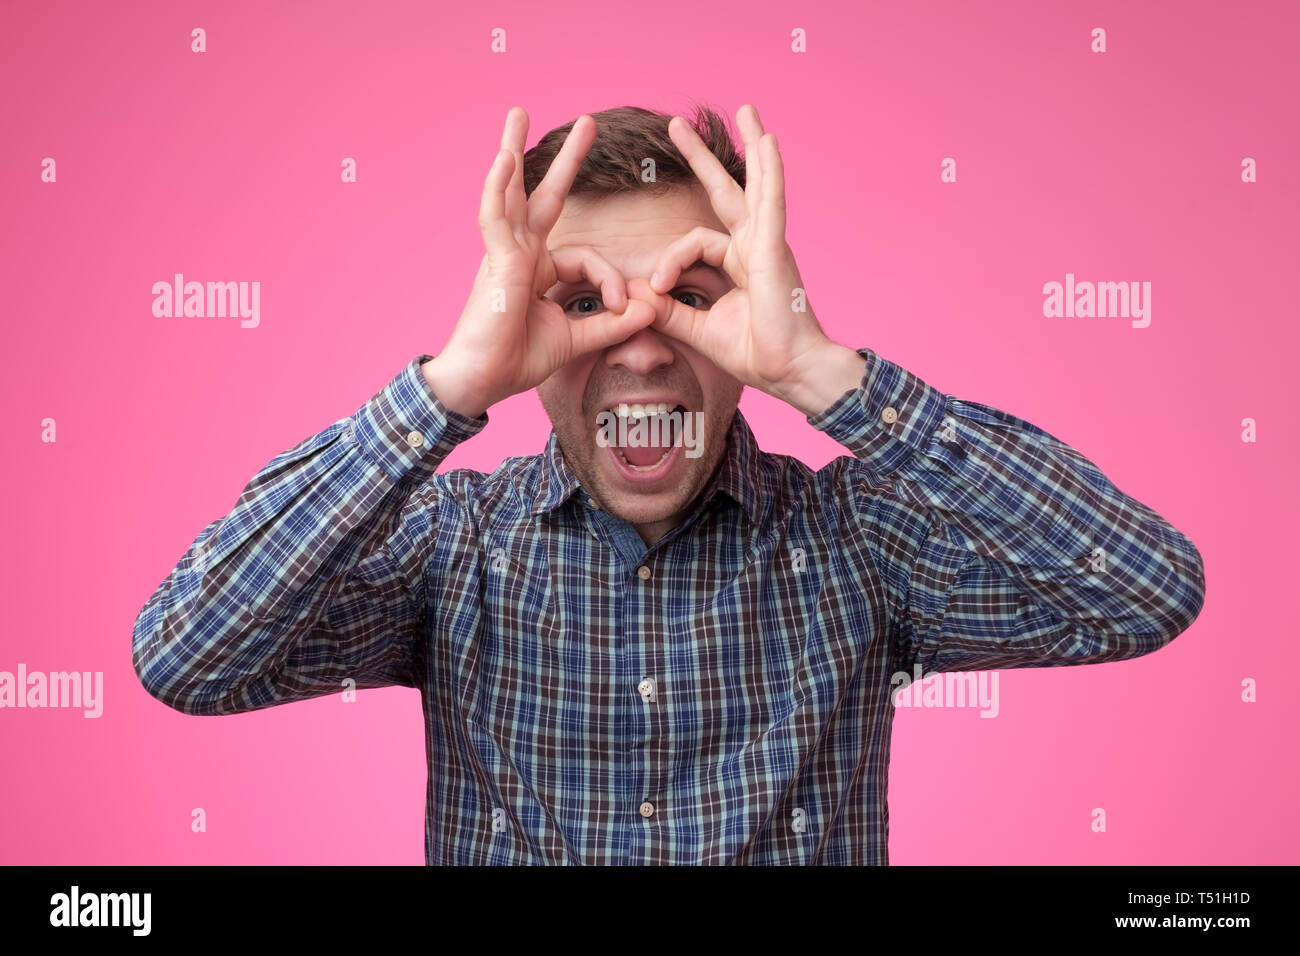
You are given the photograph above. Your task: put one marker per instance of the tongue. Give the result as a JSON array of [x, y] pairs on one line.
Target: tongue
[[642, 455]]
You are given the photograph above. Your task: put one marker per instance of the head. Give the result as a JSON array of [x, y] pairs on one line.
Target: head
[[630, 222]]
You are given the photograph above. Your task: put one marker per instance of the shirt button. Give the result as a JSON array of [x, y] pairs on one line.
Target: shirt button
[[594, 503], [889, 415], [415, 439], [647, 809], [643, 573], [646, 688]]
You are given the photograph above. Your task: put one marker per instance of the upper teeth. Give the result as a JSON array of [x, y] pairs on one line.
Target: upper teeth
[[637, 410]]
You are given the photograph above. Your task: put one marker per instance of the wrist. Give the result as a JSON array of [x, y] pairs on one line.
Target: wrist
[[451, 389], [826, 373]]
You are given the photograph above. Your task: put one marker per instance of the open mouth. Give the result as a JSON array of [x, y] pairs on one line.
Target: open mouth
[[642, 437]]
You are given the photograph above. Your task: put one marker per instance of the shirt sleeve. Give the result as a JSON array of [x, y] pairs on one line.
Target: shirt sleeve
[[998, 545], [311, 579]]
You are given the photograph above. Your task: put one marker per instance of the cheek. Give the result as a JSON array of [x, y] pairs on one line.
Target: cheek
[[719, 390], [561, 394]]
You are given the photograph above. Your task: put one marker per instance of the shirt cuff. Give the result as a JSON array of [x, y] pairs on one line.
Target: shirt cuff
[[406, 430], [891, 415]]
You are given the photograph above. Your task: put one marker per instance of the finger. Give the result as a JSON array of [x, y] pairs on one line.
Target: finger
[[498, 238], [675, 318], [751, 131], [514, 137], [700, 243], [576, 263], [668, 310], [725, 194], [547, 201], [602, 331], [672, 316], [770, 229]]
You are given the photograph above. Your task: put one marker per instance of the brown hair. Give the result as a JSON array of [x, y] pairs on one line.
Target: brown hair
[[625, 137]]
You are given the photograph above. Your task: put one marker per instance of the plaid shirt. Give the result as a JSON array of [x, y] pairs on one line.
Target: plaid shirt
[[723, 696]]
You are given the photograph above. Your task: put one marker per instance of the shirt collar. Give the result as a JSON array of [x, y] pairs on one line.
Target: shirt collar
[[739, 475]]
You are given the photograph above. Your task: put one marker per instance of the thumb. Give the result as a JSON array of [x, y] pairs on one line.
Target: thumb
[[671, 316], [602, 331], [640, 290]]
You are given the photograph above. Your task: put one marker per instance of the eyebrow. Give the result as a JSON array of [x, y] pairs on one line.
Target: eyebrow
[[701, 264], [698, 264]]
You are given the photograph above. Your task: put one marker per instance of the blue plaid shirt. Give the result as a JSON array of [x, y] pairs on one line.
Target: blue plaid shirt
[[722, 696]]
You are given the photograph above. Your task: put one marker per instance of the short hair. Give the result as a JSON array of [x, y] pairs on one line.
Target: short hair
[[625, 137]]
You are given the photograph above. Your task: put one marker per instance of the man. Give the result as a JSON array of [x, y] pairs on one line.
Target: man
[[657, 645]]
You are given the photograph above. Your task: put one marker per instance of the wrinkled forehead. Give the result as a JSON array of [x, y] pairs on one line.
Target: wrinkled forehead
[[631, 230]]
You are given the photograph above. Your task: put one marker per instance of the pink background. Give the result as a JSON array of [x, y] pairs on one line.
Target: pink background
[[225, 166]]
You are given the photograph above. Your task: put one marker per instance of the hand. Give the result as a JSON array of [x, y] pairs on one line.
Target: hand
[[510, 337], [753, 332]]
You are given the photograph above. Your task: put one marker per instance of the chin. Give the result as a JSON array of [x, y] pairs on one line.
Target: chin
[[642, 507]]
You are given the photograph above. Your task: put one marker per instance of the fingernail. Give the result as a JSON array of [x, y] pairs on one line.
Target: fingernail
[[654, 280]]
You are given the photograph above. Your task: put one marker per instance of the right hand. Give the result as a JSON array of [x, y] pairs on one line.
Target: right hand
[[492, 355]]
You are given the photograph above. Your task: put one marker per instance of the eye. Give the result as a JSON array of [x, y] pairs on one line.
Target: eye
[[595, 305], [704, 300]]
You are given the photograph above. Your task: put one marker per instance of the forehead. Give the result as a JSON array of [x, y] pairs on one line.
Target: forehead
[[630, 229]]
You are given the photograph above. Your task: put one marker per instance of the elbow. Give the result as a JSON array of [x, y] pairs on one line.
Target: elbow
[[149, 670], [157, 670], [1189, 608], [1185, 596], [1158, 610], [179, 697]]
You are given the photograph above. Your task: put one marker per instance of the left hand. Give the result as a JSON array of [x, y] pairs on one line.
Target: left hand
[[753, 331]]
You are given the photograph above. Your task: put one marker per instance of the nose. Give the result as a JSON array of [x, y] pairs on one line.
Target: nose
[[642, 353], [648, 349]]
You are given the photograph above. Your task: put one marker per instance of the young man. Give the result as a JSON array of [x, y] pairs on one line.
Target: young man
[[657, 645]]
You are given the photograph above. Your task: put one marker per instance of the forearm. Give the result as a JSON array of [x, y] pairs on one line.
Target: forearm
[[220, 634], [1021, 506], [449, 384]]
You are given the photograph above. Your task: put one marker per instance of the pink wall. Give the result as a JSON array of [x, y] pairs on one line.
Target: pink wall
[[1123, 165]]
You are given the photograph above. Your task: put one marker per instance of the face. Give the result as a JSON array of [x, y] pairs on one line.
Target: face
[[631, 231]]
